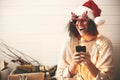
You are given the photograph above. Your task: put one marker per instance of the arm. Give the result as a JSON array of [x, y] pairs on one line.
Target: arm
[[102, 70], [65, 66], [104, 63], [62, 67]]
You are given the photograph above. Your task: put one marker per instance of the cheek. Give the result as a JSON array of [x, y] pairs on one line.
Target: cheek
[[77, 27], [85, 24]]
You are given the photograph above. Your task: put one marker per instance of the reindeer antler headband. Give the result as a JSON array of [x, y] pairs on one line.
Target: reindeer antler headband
[[83, 18]]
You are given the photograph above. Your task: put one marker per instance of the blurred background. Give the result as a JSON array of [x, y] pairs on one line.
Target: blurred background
[[37, 27]]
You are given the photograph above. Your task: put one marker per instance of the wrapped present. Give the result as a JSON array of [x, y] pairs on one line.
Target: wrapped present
[[4, 74], [27, 76], [30, 72]]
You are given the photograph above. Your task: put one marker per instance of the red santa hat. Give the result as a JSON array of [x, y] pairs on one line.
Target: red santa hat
[[93, 10]]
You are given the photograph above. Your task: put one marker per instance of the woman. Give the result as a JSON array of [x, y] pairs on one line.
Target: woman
[[93, 64]]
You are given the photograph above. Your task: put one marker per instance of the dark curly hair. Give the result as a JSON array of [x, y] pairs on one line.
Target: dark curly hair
[[91, 30]]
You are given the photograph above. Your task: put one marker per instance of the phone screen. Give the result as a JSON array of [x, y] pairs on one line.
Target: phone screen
[[80, 48]]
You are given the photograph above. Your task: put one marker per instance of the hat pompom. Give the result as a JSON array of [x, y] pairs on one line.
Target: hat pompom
[[99, 21]]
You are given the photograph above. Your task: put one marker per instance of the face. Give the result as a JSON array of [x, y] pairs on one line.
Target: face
[[81, 26]]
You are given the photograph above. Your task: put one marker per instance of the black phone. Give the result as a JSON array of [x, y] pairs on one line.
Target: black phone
[[80, 48]]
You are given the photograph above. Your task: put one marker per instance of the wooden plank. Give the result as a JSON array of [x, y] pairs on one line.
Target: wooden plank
[[116, 60], [110, 10], [109, 2], [112, 19]]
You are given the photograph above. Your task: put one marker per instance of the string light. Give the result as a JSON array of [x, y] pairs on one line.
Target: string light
[[81, 41], [97, 46], [98, 41]]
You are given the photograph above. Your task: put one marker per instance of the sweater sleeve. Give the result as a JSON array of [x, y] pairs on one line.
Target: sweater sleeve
[[62, 69], [104, 63], [64, 60]]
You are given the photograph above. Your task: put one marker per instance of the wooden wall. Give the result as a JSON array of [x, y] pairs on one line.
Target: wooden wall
[[37, 27]]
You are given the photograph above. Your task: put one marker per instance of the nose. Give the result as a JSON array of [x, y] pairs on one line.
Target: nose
[[78, 24]]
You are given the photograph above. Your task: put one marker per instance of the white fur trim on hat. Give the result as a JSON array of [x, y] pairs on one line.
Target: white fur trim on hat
[[81, 9]]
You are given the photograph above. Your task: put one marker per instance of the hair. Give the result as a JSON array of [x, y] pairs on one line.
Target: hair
[[91, 30]]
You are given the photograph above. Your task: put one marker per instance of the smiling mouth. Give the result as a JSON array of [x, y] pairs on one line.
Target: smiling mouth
[[82, 29]]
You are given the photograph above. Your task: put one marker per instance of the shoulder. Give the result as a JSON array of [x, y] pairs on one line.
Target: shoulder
[[69, 43], [70, 39], [104, 41]]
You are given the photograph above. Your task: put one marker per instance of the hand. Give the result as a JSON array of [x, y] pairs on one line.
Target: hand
[[81, 57], [85, 58], [74, 64]]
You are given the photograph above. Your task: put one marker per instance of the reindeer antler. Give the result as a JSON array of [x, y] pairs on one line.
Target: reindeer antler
[[83, 17]]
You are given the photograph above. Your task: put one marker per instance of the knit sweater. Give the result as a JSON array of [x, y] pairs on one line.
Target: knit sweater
[[100, 51]]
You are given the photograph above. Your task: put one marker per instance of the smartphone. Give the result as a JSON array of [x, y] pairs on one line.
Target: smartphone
[[80, 48]]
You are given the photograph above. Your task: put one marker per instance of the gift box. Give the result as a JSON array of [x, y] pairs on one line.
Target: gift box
[[27, 76], [28, 72]]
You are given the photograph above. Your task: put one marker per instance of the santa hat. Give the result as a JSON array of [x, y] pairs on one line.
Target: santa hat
[[93, 12]]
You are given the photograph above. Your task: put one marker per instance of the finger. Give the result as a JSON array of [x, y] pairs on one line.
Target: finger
[[82, 59], [76, 54], [77, 61], [82, 56], [84, 53], [76, 57]]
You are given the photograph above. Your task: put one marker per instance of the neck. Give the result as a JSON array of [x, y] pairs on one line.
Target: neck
[[89, 38]]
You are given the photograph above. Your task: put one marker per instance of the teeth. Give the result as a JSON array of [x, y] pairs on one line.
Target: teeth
[[82, 29]]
